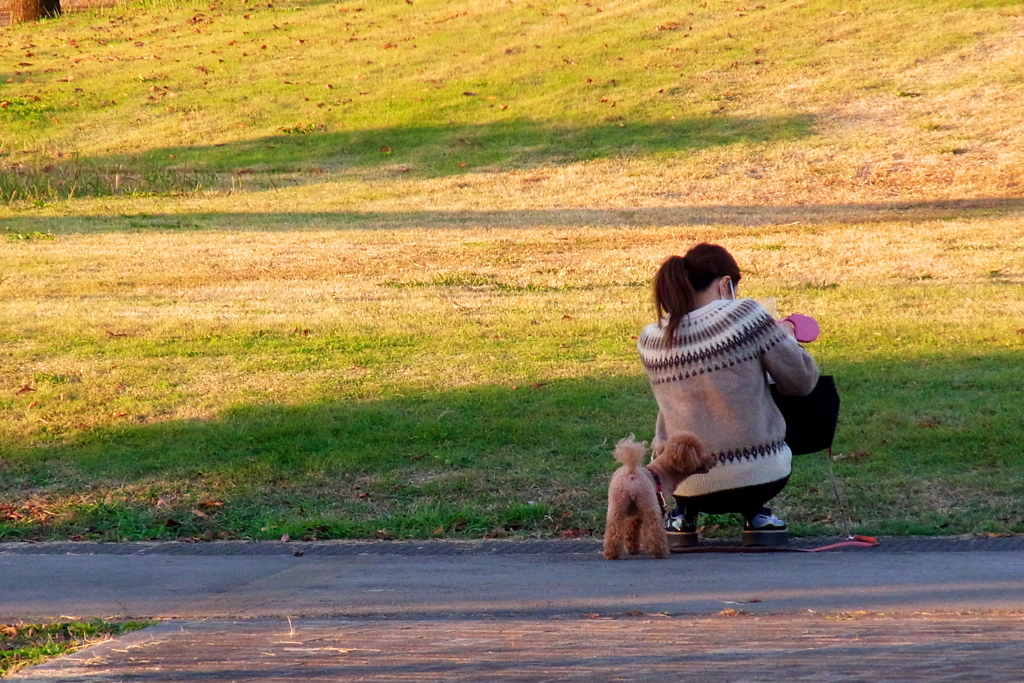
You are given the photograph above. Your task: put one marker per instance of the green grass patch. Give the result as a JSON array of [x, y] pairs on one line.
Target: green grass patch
[[23, 645], [70, 179]]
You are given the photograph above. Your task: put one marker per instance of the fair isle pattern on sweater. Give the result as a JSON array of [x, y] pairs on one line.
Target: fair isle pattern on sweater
[[729, 336], [710, 380], [752, 453]]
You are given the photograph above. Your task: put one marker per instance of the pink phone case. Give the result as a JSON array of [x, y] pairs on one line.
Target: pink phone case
[[805, 328]]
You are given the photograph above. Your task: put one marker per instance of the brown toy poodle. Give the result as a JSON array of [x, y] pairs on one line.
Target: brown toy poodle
[[635, 506]]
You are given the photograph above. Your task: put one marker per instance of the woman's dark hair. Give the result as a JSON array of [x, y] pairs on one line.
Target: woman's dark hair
[[681, 277]]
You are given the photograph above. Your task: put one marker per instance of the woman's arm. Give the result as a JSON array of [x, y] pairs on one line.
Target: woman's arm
[[794, 371]]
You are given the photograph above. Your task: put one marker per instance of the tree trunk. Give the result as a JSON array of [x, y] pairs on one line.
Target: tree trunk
[[26, 10], [51, 8]]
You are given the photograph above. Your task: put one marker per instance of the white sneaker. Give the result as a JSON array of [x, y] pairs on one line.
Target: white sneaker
[[765, 521], [676, 523]]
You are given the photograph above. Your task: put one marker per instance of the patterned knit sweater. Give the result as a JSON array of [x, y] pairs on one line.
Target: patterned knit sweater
[[713, 381]]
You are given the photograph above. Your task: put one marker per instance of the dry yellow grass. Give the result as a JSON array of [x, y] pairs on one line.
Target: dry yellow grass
[[300, 265], [160, 285]]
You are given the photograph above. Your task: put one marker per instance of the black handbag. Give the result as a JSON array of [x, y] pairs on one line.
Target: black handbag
[[810, 420]]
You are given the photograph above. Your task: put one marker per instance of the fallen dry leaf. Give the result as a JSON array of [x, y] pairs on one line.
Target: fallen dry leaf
[[854, 455]]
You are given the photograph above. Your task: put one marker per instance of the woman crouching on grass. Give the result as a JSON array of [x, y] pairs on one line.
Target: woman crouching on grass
[[710, 358]]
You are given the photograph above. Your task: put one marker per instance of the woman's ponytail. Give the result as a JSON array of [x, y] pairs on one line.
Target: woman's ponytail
[[674, 296]]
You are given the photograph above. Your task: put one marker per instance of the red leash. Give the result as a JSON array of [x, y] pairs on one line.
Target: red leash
[[852, 542]]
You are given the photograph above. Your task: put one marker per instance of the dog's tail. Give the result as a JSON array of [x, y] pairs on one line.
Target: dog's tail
[[631, 452]]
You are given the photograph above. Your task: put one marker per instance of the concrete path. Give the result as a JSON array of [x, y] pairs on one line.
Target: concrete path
[[426, 612], [442, 580]]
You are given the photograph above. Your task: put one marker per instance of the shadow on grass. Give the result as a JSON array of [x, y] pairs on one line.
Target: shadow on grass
[[465, 460], [456, 149], [416, 151], [655, 217], [444, 430], [929, 445]]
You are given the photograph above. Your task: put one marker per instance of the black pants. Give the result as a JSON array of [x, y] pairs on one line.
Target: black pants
[[747, 500]]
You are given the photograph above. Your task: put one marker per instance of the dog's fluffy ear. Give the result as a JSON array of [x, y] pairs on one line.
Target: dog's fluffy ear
[[630, 452], [685, 453]]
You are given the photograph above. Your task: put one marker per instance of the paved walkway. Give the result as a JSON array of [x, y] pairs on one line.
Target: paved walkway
[[724, 649], [549, 611]]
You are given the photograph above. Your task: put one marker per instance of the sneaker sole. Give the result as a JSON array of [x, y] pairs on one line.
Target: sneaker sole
[[767, 538], [681, 540]]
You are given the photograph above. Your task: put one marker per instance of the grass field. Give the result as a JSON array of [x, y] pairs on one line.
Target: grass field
[[338, 269]]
